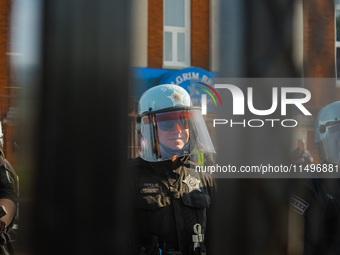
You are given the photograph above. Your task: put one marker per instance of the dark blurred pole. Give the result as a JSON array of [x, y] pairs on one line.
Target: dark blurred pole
[[251, 215], [82, 184]]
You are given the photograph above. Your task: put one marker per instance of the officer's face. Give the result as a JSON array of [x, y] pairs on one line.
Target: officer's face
[[174, 138]]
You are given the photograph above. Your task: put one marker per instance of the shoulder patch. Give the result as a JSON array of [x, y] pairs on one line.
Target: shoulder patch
[[298, 205]]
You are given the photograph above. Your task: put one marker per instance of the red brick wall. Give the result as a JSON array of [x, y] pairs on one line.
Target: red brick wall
[[319, 57], [319, 49], [319, 38], [155, 33], [9, 131], [4, 10], [200, 24], [200, 33]]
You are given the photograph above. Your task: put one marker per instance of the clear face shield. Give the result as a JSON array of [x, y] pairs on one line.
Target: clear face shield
[[331, 142], [163, 136]]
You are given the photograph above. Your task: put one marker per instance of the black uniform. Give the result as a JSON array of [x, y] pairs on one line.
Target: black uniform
[[170, 200], [316, 201], [8, 190]]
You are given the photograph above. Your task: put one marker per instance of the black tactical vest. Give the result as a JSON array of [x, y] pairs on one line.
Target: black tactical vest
[[170, 200]]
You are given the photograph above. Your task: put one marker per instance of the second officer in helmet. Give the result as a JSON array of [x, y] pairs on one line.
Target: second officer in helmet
[[316, 201], [172, 199]]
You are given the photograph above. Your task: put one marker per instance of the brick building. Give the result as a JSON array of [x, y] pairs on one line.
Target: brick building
[[320, 59], [164, 42], [7, 89], [173, 41]]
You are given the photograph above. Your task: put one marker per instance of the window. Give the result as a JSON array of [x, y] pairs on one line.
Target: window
[[176, 37], [337, 39]]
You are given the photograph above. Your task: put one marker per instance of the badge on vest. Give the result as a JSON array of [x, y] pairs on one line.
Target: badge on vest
[[298, 205], [192, 183]]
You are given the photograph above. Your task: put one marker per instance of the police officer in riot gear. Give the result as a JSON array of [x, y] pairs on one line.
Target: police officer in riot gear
[[171, 197], [317, 200], [8, 199], [327, 133]]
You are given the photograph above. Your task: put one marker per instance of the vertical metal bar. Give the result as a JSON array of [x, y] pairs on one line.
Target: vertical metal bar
[[255, 42], [82, 182]]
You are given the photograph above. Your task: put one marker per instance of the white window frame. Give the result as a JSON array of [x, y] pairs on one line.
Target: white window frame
[[337, 45], [174, 64]]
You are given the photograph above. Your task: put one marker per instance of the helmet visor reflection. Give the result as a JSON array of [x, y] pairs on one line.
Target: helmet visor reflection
[[166, 121]]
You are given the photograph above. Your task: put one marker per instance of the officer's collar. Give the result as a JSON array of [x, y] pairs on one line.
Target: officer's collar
[[169, 165]]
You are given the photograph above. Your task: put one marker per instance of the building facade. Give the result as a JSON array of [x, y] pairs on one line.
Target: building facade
[[320, 59], [173, 41], [170, 36], [165, 41], [8, 110]]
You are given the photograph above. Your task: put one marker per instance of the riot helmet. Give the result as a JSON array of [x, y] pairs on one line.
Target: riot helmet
[[327, 133], [168, 126]]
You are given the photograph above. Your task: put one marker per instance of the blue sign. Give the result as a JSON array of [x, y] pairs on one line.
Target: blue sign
[[186, 79]]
